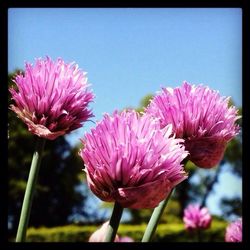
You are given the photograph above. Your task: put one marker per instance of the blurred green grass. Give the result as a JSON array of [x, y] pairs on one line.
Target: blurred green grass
[[169, 232]]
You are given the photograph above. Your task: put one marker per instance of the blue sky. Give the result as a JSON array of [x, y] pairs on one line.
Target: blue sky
[[131, 52]]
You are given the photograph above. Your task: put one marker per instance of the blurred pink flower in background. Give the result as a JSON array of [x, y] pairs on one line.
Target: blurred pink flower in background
[[201, 117], [234, 231], [196, 217], [100, 234], [125, 239], [52, 98], [130, 160]]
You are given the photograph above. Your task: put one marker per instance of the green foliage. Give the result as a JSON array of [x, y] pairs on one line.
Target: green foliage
[[233, 155], [190, 168], [231, 103], [144, 103], [167, 232], [171, 212], [140, 216], [232, 206], [70, 233], [176, 233]]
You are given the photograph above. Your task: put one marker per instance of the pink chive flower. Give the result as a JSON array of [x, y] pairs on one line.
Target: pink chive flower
[[201, 117], [234, 231], [100, 234], [130, 160], [51, 97], [196, 217]]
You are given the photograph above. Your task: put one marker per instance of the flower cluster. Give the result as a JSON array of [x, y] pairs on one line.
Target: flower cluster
[[201, 117], [52, 98], [196, 217], [131, 160]]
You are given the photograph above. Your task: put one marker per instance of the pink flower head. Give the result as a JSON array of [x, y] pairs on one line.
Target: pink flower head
[[100, 234], [234, 231], [201, 117], [196, 217], [52, 97], [129, 159]]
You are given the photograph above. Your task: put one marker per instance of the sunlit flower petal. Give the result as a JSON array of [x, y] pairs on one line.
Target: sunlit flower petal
[[201, 117], [52, 97], [131, 160]]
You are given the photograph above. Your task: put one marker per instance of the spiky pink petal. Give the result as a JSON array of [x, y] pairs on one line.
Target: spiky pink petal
[[201, 117], [131, 160]]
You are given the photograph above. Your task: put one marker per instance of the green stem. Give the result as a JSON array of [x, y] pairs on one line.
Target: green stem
[[114, 222], [155, 218], [29, 192]]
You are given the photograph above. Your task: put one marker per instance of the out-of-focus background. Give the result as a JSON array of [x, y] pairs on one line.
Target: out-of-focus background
[[129, 54]]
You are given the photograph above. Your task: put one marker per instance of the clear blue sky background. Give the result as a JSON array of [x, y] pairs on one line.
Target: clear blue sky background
[[131, 52]]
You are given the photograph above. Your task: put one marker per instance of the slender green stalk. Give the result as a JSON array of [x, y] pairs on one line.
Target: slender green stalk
[[155, 218], [29, 192], [114, 222]]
